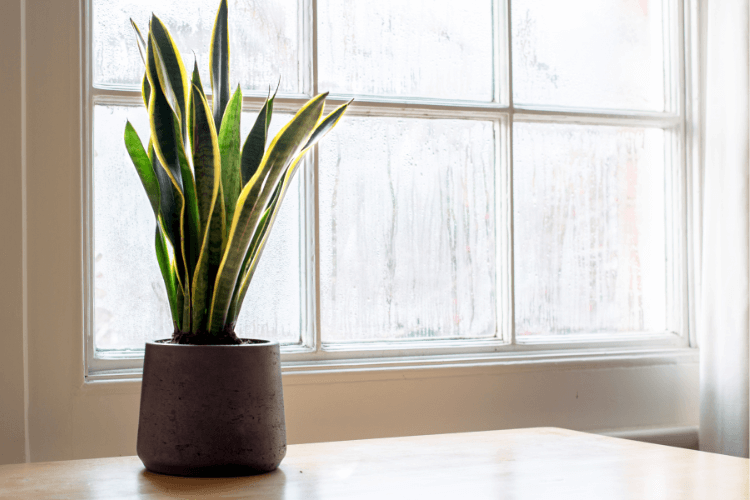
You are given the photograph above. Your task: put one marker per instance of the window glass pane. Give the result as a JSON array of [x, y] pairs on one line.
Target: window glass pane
[[407, 229], [130, 300], [419, 48], [589, 229], [588, 53], [264, 43]]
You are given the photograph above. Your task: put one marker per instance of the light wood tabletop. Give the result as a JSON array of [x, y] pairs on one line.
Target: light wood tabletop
[[533, 464]]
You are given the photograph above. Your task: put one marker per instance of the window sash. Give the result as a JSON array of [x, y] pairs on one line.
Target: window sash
[[679, 102]]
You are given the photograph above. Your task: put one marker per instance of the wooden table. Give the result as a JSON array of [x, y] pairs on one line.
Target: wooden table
[[536, 464]]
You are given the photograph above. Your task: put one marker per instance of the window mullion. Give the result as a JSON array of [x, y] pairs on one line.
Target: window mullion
[[313, 17], [594, 116], [312, 208], [501, 42], [504, 229], [507, 183]]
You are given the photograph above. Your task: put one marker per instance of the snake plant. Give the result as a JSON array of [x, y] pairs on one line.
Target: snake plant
[[214, 199]]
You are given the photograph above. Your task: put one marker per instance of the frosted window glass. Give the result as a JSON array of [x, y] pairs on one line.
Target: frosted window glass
[[589, 229], [416, 48], [407, 229], [264, 43], [130, 300], [588, 53]]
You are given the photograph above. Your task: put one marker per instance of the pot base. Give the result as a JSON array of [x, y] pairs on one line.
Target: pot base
[[209, 471]]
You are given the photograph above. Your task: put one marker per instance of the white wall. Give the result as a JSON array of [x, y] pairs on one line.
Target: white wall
[[68, 418], [329, 407], [11, 285]]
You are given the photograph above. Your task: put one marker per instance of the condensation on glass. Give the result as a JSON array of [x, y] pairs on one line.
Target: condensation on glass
[[407, 229], [589, 229], [263, 35], [415, 48], [407, 221], [130, 301], [589, 53]]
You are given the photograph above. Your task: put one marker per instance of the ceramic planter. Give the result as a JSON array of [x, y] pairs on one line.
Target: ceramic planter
[[211, 410]]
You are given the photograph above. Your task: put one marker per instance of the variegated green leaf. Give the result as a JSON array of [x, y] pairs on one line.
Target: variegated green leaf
[[192, 230], [197, 79], [142, 49], [140, 40], [207, 161], [166, 131], [186, 311], [229, 143], [197, 82], [167, 273], [255, 144], [168, 148], [145, 90], [205, 271], [327, 124], [253, 200], [174, 69], [157, 76], [170, 207], [218, 60], [142, 163], [206, 155], [163, 118]]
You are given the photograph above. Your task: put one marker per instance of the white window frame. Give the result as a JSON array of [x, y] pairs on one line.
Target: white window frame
[[313, 355], [55, 412]]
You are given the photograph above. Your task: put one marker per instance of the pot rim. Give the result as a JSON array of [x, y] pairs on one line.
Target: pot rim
[[254, 343]]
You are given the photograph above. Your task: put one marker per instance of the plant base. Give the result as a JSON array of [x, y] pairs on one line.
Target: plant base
[[227, 337], [211, 410]]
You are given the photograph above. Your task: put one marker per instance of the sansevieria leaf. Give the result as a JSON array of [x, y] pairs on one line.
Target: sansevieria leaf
[[218, 60], [169, 223], [207, 160], [326, 125], [163, 119], [170, 205], [167, 273], [145, 90], [158, 77], [252, 202], [192, 231], [143, 166], [145, 86], [206, 156], [229, 143], [255, 144], [169, 147], [140, 41], [174, 69], [196, 81]]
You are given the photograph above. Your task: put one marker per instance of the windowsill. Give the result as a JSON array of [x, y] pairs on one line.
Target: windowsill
[[446, 365]]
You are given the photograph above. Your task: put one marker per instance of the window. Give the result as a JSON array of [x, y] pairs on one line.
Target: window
[[511, 176]]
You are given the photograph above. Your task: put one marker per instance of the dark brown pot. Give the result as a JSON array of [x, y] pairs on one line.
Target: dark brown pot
[[212, 410]]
